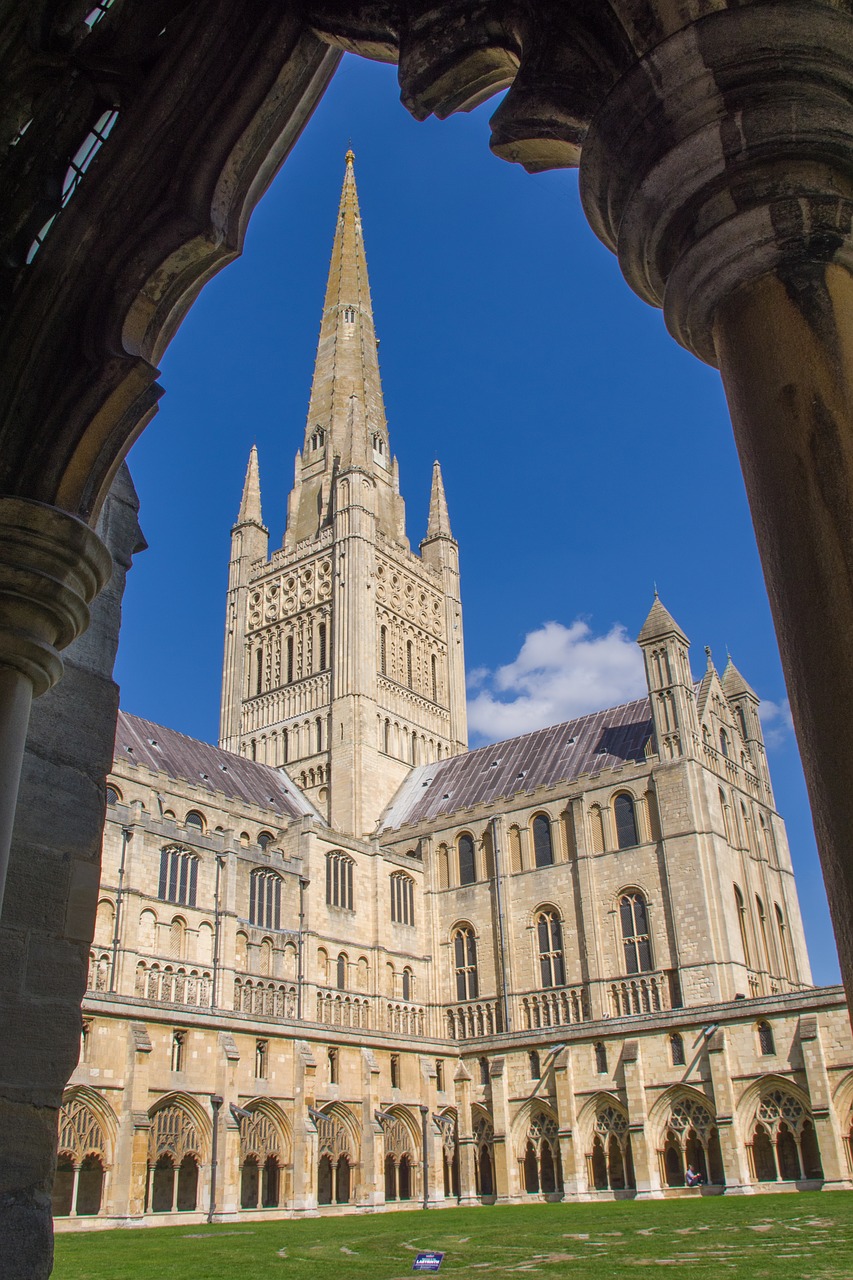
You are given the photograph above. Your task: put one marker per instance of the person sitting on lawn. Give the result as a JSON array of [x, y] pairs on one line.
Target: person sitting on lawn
[[693, 1179]]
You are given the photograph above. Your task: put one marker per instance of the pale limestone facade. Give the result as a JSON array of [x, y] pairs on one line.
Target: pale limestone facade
[[342, 962]]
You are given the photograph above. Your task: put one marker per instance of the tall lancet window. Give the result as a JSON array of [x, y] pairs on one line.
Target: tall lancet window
[[409, 665], [383, 650], [322, 646], [290, 659]]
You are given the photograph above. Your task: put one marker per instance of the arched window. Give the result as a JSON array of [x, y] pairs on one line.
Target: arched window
[[333, 1066], [265, 899], [194, 820], [636, 941], [762, 931], [535, 1065], [341, 972], [265, 839], [543, 848], [321, 645], [339, 891], [549, 932], [409, 665], [408, 982], [625, 814], [386, 737], [467, 864], [259, 670], [724, 808], [740, 907], [724, 742], [766, 1042], [290, 659], [113, 795], [465, 960], [383, 650], [402, 898], [596, 825], [177, 934], [484, 1070], [676, 1049], [178, 876], [434, 675], [600, 1053], [783, 940]]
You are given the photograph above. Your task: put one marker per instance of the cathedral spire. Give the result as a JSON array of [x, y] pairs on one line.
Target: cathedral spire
[[250, 504], [347, 363], [438, 525]]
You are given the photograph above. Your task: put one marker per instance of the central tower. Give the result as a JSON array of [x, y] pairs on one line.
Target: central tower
[[343, 650]]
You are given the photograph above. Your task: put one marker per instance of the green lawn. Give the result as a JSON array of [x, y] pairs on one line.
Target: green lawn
[[806, 1236]]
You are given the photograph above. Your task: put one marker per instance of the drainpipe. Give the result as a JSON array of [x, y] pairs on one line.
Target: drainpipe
[[216, 1103], [126, 836], [501, 927], [424, 1113], [300, 977], [217, 927]]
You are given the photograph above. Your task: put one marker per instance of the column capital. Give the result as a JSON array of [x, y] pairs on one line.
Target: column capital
[[51, 568], [723, 155]]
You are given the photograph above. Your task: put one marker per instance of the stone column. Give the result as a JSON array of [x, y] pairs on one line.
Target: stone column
[[720, 169], [570, 1156], [735, 1159], [51, 567], [827, 1130], [467, 1155], [506, 1167], [646, 1174]]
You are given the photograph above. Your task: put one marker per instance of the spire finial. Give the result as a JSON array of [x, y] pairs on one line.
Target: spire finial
[[657, 597], [350, 155], [710, 660]]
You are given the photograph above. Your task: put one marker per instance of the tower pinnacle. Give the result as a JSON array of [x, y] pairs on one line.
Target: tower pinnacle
[[439, 520], [250, 504]]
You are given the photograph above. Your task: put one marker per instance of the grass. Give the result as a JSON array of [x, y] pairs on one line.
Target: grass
[[805, 1236]]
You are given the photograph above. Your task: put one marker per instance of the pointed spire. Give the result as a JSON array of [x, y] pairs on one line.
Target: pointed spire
[[438, 525], [347, 363], [660, 623], [250, 504], [734, 685]]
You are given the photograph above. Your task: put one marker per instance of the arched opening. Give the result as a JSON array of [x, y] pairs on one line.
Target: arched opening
[[187, 1185], [390, 1178], [342, 1180], [250, 1183], [405, 1175], [163, 1185], [62, 1197], [324, 1180], [531, 1169], [763, 1158], [90, 1186]]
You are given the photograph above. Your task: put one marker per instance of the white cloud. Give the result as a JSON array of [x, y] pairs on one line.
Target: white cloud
[[776, 721], [560, 672]]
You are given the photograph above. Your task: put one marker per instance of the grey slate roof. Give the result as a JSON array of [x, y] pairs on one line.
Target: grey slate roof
[[166, 751], [539, 759]]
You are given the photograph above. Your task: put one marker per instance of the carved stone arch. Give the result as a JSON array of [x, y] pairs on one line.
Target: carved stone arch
[[87, 1125], [179, 1127], [601, 1104], [533, 1114], [342, 1135], [842, 1102], [401, 1135], [749, 1103], [683, 1100], [267, 1133]]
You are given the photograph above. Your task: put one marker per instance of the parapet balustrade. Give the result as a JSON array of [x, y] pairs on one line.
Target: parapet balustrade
[[643, 993], [405, 1019], [174, 984], [558, 1006], [269, 999], [341, 1009], [468, 1021]]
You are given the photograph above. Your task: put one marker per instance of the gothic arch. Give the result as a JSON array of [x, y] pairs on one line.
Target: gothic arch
[[401, 1144], [265, 1155], [778, 1127], [683, 1130], [195, 1113], [537, 1148], [606, 1143], [87, 1124]]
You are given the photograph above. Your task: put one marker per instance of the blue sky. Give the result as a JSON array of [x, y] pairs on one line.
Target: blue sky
[[586, 457]]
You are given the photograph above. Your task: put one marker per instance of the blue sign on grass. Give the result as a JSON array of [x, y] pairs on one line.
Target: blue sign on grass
[[429, 1261]]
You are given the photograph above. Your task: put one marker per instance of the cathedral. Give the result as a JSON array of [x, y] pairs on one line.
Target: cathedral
[[344, 963]]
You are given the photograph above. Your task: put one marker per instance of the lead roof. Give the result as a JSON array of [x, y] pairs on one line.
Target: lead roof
[[559, 753], [166, 751]]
